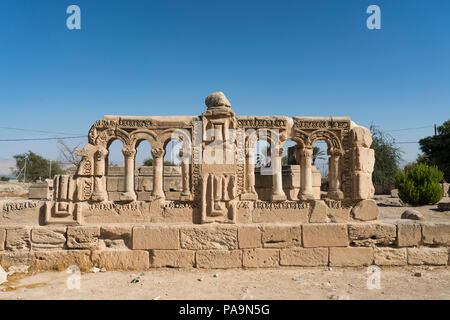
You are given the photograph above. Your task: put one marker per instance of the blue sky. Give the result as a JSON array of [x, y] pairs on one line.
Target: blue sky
[[294, 58]]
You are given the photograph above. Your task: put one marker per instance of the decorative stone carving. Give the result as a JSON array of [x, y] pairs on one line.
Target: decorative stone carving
[[217, 171]]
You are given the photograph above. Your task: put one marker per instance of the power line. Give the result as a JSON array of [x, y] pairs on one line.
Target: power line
[[405, 129], [405, 142], [42, 139], [33, 130]]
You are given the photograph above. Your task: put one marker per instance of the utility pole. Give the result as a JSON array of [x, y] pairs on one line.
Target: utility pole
[[25, 171], [435, 130], [50, 170]]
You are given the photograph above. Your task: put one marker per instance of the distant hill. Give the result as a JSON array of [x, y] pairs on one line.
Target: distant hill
[[6, 167]]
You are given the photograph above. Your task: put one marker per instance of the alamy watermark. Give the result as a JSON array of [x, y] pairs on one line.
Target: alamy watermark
[[374, 279]]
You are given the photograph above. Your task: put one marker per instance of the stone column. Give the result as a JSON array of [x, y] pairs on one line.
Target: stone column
[[100, 193], [250, 192], [129, 194], [277, 179], [306, 190], [158, 167], [334, 183], [185, 177]]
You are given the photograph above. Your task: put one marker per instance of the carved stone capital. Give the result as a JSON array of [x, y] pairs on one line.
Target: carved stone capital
[[101, 153], [157, 152], [335, 152], [129, 152], [306, 152]]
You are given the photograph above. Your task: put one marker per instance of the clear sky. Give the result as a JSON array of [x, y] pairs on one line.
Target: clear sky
[[294, 58]]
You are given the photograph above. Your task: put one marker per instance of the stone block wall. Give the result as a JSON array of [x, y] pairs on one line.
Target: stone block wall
[[141, 247]]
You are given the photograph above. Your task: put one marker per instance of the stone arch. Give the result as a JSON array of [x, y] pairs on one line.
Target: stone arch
[[300, 137], [333, 142], [335, 152], [138, 136]]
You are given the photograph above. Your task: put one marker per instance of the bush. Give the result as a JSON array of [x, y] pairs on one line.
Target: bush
[[419, 184], [387, 157]]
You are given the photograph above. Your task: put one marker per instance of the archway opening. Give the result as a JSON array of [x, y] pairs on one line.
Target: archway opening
[[290, 170], [263, 169], [143, 178], [320, 169], [115, 171], [172, 173]]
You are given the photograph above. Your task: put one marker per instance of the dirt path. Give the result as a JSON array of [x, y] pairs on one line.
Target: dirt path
[[305, 283]]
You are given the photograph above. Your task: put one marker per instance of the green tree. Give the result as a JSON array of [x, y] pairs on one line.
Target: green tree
[[419, 184], [318, 155], [387, 156], [436, 149], [33, 167], [149, 162]]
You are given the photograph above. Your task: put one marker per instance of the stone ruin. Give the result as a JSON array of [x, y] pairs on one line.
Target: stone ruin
[[220, 187], [218, 208]]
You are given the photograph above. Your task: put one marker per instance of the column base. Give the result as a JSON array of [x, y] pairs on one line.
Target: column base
[[278, 197], [337, 195], [249, 196], [128, 197], [186, 197], [158, 197], [305, 196], [99, 196]]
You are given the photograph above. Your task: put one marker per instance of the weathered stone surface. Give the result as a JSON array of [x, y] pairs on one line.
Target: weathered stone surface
[[218, 259], [117, 233], [325, 235], [339, 214], [319, 212], [18, 239], [365, 210], [217, 99], [412, 214], [394, 193], [121, 259], [63, 259], [54, 235], [83, 237], [390, 256], [209, 237], [365, 159], [8, 259], [249, 237], [172, 258], [368, 234], [408, 234], [444, 206], [436, 234], [2, 239], [361, 137], [351, 256], [281, 236], [303, 257], [260, 258], [156, 237], [280, 215], [428, 256], [364, 188]]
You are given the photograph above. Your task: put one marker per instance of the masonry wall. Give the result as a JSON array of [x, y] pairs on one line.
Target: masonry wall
[[141, 247]]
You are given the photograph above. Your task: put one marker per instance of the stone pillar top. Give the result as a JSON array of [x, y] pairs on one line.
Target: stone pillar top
[[217, 100]]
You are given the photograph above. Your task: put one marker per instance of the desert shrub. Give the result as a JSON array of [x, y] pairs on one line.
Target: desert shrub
[[419, 184]]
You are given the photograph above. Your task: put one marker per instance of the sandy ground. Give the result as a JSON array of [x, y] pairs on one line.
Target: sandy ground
[[392, 214], [267, 284], [292, 283]]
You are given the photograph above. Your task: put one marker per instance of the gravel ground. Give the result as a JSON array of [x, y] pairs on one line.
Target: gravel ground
[[267, 284]]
